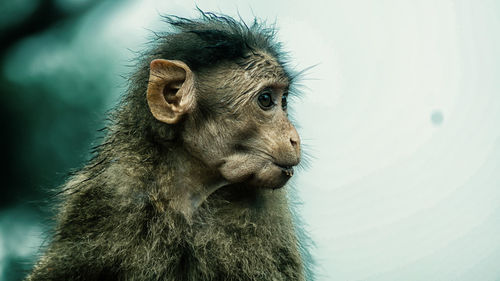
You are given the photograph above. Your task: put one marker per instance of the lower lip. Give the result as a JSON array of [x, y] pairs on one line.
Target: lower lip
[[286, 170]]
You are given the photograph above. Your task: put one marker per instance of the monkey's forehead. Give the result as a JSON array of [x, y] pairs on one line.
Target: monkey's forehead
[[260, 65], [246, 75]]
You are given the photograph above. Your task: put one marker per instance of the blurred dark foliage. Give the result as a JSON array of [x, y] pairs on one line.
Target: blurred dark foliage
[[45, 135], [29, 110]]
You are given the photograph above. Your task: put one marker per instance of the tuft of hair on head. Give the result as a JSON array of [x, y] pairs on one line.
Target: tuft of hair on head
[[215, 38]]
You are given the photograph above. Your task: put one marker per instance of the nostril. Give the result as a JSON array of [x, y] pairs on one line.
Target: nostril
[[294, 140], [295, 145]]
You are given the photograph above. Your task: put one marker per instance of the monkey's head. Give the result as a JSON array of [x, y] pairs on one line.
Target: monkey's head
[[231, 110]]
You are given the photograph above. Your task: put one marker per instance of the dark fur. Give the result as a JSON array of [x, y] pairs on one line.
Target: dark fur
[[115, 223]]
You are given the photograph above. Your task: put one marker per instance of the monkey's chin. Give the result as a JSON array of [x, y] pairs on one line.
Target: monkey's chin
[[268, 183], [266, 175]]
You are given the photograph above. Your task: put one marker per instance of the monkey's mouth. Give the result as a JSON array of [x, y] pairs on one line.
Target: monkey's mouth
[[276, 176], [286, 170], [256, 171]]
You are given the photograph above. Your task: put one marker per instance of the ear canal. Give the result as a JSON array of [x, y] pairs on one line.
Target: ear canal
[[171, 91]]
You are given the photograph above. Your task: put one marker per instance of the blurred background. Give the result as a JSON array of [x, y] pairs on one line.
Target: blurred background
[[401, 118]]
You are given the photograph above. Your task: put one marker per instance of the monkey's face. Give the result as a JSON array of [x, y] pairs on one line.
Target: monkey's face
[[234, 117], [245, 133], [266, 145]]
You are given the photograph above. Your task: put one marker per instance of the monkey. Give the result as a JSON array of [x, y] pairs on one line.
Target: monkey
[[189, 181]]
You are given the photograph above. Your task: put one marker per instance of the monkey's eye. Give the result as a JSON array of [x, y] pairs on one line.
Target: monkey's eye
[[284, 101], [265, 100]]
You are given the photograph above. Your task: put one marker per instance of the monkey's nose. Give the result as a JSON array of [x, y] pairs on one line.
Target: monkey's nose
[[295, 141]]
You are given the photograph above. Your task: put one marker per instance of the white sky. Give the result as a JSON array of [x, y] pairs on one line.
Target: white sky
[[390, 195]]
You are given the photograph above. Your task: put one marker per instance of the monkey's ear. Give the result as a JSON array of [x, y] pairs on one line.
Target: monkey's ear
[[171, 91]]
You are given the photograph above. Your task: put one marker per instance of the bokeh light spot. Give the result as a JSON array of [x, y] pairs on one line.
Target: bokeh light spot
[[437, 117]]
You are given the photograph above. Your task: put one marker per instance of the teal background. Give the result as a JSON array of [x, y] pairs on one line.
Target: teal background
[[400, 118]]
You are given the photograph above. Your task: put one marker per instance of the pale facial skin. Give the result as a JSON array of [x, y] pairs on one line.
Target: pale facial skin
[[271, 147], [247, 138]]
